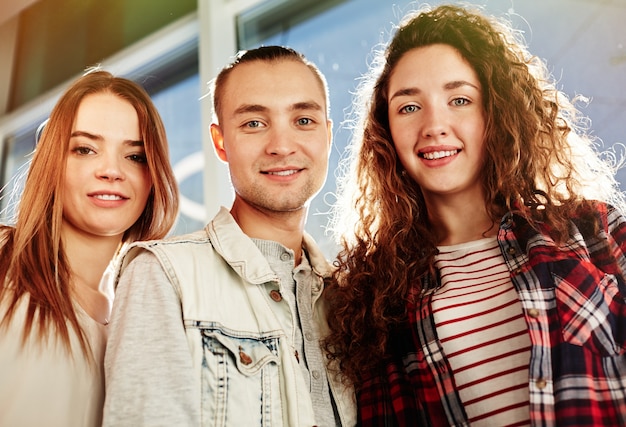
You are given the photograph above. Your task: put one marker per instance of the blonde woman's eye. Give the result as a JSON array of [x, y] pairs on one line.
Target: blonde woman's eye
[[138, 158], [82, 150]]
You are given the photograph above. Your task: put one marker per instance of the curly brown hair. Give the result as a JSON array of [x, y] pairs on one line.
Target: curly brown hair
[[537, 155]]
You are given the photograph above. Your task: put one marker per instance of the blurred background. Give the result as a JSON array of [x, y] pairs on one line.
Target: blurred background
[[175, 47]]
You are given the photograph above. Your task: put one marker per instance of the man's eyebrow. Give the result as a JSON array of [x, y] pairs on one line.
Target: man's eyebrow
[[94, 137], [306, 105], [250, 108], [298, 106]]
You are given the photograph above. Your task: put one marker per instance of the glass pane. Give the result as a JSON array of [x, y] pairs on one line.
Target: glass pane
[[18, 151], [58, 38], [179, 106]]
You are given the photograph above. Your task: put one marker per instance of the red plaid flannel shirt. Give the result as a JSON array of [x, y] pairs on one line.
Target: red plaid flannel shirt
[[574, 300]]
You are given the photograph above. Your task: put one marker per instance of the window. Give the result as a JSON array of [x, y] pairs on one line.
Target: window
[[16, 154], [178, 104]]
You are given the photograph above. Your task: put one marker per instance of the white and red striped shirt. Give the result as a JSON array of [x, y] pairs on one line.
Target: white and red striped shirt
[[482, 330]]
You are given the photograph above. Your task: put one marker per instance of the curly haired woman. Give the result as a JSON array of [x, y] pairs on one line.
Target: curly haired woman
[[482, 278]]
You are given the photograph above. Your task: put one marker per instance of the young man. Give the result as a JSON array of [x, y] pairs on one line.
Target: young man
[[222, 326]]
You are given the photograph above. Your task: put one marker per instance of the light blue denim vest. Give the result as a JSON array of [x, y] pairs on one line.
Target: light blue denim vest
[[243, 359]]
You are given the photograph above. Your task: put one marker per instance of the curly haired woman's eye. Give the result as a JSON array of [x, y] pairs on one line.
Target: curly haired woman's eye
[[409, 109], [460, 101]]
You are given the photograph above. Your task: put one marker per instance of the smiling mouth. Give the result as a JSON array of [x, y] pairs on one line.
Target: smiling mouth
[[436, 155], [108, 197], [283, 173]]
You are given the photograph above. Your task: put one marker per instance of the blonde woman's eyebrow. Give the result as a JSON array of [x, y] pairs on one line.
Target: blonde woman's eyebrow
[[88, 135], [95, 137]]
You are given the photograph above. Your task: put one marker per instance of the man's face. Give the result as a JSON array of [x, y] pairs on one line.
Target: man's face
[[274, 134]]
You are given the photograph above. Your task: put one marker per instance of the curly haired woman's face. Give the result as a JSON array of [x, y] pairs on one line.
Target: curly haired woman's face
[[437, 121]]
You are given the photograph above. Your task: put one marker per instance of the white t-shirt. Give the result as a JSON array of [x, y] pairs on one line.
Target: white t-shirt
[[483, 333], [42, 383]]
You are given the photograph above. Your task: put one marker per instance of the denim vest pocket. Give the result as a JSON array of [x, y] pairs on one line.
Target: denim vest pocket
[[240, 380]]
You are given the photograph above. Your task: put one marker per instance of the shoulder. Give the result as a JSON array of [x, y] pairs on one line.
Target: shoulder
[[6, 230], [6, 234], [162, 247], [197, 237], [170, 258], [316, 257], [593, 217]]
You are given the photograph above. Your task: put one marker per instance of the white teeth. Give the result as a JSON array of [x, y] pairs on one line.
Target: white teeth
[[107, 197], [283, 173], [439, 154]]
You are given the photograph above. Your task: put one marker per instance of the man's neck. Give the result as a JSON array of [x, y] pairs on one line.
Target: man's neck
[[285, 228]]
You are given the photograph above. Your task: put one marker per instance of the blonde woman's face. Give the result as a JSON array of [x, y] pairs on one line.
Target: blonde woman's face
[[437, 123], [107, 181]]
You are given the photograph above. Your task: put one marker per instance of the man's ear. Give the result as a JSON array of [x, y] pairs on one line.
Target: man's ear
[[329, 130], [218, 142]]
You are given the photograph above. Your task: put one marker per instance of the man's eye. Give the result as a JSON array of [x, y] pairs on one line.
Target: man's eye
[[253, 124], [305, 121]]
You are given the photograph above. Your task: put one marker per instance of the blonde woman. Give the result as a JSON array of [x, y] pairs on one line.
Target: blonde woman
[[100, 177]]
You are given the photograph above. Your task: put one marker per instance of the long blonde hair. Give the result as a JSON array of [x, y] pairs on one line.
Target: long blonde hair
[[32, 260]]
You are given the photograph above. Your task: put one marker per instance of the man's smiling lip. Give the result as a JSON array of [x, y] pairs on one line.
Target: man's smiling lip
[[282, 172]]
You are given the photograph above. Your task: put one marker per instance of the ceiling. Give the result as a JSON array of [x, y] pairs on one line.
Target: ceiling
[[10, 8]]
